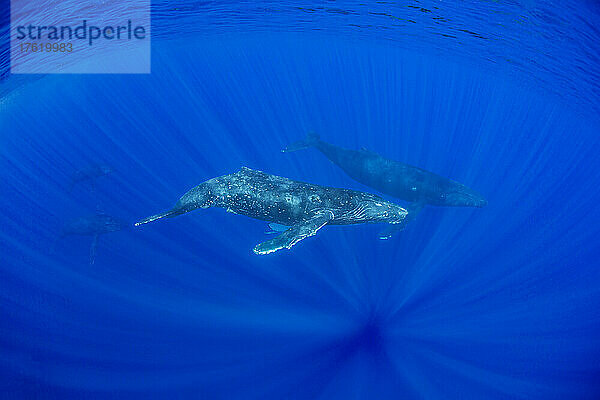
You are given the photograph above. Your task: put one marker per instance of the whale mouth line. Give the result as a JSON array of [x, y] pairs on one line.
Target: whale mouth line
[[466, 199]]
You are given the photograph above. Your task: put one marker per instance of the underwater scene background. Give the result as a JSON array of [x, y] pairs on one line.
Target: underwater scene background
[[466, 303]]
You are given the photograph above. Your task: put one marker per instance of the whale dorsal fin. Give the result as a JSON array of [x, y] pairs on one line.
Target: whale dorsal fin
[[367, 151], [248, 171], [295, 233]]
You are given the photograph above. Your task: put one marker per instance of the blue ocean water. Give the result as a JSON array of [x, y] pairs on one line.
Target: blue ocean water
[[500, 302]]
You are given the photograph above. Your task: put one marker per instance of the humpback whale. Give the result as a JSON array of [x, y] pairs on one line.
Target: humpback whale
[[93, 225], [89, 174], [303, 208], [396, 179]]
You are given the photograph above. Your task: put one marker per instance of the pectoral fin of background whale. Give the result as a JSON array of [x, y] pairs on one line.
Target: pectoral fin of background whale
[[413, 210], [93, 248], [295, 233]]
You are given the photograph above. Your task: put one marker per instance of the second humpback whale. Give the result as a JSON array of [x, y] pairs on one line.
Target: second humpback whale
[[303, 207], [93, 225], [406, 182], [89, 174]]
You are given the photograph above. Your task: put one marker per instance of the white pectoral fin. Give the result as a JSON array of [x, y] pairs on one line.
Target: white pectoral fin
[[295, 233]]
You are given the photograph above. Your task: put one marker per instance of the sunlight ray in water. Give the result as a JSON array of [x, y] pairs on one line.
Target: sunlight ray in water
[[465, 302]]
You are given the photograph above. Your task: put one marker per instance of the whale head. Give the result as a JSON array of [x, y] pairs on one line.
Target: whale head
[[463, 197], [379, 210]]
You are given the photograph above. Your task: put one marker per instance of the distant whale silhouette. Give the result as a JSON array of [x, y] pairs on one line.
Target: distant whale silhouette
[[395, 179], [303, 208], [89, 174], [93, 225]]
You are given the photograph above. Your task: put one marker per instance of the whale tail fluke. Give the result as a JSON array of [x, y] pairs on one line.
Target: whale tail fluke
[[311, 140], [167, 214]]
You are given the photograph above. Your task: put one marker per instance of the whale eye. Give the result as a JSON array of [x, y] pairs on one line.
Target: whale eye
[[314, 198]]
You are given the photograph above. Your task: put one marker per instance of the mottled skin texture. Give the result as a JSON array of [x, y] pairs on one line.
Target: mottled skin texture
[[302, 206], [394, 178]]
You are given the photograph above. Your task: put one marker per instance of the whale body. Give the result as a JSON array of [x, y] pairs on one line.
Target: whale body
[[89, 174], [93, 225], [396, 179], [302, 207]]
